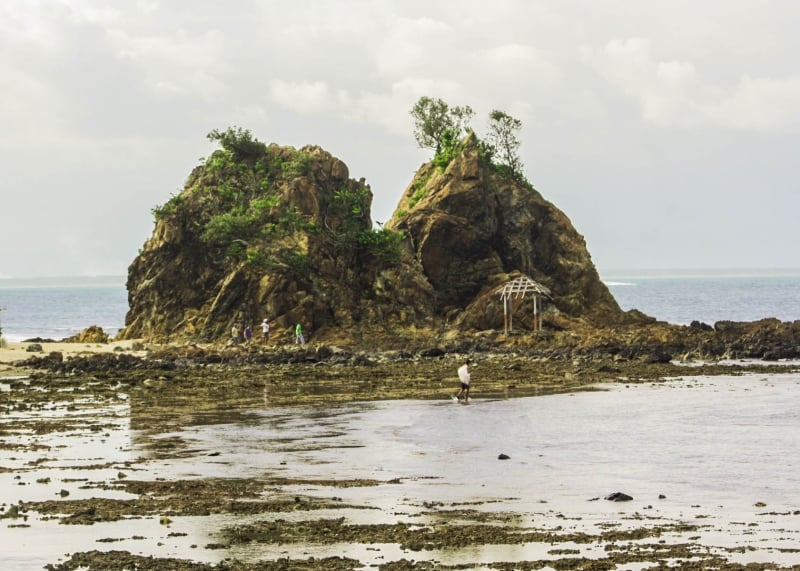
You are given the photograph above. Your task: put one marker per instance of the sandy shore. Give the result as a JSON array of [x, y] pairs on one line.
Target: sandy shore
[[16, 352]]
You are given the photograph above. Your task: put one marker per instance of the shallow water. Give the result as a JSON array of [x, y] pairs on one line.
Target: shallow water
[[715, 447]]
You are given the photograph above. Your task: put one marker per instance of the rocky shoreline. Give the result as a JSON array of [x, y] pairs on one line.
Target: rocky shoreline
[[164, 385], [613, 350]]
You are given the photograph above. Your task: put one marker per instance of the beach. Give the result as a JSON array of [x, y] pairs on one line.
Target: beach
[[302, 466], [14, 352]]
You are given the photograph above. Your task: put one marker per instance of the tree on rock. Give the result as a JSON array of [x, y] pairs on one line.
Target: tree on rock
[[435, 121], [504, 143], [239, 142]]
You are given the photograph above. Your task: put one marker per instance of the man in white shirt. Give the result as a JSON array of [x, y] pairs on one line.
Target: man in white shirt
[[464, 376]]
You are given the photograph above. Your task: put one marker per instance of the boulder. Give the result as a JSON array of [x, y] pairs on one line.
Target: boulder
[[92, 334], [619, 497]]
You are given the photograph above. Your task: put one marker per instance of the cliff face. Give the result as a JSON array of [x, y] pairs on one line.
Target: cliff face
[[286, 234]]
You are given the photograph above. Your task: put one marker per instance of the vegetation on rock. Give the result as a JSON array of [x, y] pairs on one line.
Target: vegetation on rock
[[442, 128], [436, 123]]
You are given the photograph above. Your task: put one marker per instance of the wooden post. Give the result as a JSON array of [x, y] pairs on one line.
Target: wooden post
[[505, 314]]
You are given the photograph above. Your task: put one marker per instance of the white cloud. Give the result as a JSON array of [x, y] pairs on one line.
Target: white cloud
[[762, 104], [520, 60], [147, 6], [675, 94], [303, 97], [410, 43]]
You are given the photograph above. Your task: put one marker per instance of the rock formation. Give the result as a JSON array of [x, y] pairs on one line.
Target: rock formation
[[472, 229], [269, 231]]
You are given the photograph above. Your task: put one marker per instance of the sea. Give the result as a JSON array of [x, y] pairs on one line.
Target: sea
[[55, 308]]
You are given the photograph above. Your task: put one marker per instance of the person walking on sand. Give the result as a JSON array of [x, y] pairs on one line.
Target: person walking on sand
[[464, 377], [298, 335], [234, 335], [248, 334], [265, 331]]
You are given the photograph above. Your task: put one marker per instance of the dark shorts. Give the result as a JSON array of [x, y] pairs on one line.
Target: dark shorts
[[464, 387]]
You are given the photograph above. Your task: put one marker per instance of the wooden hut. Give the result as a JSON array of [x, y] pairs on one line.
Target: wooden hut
[[516, 290]]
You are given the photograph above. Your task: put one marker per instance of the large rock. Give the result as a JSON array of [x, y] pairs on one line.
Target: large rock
[[92, 334], [286, 234], [472, 229]]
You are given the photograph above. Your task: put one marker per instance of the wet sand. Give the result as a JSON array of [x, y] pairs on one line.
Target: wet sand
[[115, 469]]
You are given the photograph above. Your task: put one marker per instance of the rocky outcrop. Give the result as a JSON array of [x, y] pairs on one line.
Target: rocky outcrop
[[286, 234], [92, 334], [472, 229]]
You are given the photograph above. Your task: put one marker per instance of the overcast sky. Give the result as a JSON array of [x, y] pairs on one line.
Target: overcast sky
[[667, 131]]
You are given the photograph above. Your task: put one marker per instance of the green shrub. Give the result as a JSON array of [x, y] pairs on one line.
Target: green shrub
[[227, 227], [297, 262], [450, 147], [239, 142], [262, 205], [299, 165], [237, 251], [383, 245], [350, 202], [290, 220], [258, 259], [169, 208]]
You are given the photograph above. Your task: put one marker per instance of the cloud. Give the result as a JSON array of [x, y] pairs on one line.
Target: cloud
[[409, 43], [521, 60], [674, 94], [762, 104], [303, 97]]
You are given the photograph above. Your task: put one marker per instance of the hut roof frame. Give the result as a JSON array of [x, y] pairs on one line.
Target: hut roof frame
[[517, 289]]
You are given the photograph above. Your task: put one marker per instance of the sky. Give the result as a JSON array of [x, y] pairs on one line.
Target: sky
[[668, 132]]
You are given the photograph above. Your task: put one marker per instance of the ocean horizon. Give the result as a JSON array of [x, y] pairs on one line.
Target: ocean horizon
[[58, 307]]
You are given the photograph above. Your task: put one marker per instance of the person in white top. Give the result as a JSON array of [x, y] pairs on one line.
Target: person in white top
[[464, 376]]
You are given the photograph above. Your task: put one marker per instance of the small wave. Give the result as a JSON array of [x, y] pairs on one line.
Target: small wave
[[610, 283]]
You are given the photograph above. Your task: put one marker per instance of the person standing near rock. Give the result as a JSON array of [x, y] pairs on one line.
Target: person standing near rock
[[464, 377], [265, 331], [298, 335], [234, 335], [248, 334]]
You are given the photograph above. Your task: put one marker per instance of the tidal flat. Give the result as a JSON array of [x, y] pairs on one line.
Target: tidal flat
[[375, 467]]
